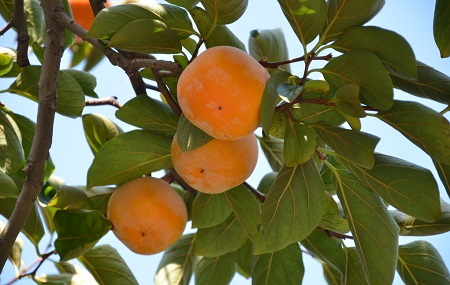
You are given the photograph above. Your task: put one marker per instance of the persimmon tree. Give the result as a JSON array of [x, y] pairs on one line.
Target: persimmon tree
[[327, 184]]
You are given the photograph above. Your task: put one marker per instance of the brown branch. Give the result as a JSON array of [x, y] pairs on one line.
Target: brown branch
[[261, 196], [197, 48], [42, 140], [337, 235], [166, 93], [104, 101], [38, 263], [6, 28], [23, 39]]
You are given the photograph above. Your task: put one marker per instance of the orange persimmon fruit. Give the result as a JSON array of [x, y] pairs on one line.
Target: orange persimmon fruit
[[218, 165], [147, 214], [221, 90]]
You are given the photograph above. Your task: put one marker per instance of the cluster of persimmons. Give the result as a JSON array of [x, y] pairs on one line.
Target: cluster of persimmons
[[219, 92]]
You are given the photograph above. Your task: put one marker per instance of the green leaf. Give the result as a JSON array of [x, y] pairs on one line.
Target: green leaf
[[416, 227], [107, 266], [71, 100], [423, 126], [365, 69], [67, 197], [441, 27], [343, 14], [443, 171], [309, 113], [174, 17], [408, 187], [245, 207], [98, 130], [15, 256], [209, 210], [332, 219], [225, 12], [419, 262], [243, 257], [306, 17], [215, 270], [97, 198], [189, 136], [221, 239], [357, 147], [332, 276], [8, 188], [78, 231], [354, 272], [347, 100], [430, 83], [273, 150], [299, 144], [270, 99], [284, 266], [375, 232], [219, 36], [7, 9], [7, 58], [178, 262], [87, 81], [26, 83], [33, 229], [326, 249], [293, 207], [393, 50], [188, 4], [12, 155], [289, 92], [266, 182], [149, 114], [155, 38], [136, 153], [270, 45]]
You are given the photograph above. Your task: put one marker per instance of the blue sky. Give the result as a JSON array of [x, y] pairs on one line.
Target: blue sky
[[72, 157]]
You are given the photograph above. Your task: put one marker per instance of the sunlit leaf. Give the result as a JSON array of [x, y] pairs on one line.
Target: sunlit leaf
[[225, 12], [189, 136], [393, 50], [273, 150], [223, 238], [347, 100], [284, 266], [343, 14], [107, 266], [374, 230], [293, 207], [12, 154], [357, 147], [419, 262], [215, 270], [136, 153], [35, 20], [408, 187], [364, 68], [422, 125], [441, 27], [188, 4], [178, 262], [67, 197], [87, 81], [78, 231], [209, 210], [97, 198], [149, 114], [98, 130], [8, 188], [270, 45], [306, 17]]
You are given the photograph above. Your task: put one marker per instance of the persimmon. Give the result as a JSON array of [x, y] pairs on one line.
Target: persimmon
[[147, 214], [220, 92], [82, 12], [218, 165]]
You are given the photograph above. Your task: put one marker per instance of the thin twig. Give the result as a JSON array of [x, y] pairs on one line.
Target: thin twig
[[6, 28], [197, 48], [166, 93], [261, 196], [42, 140], [152, 87], [104, 101], [337, 235]]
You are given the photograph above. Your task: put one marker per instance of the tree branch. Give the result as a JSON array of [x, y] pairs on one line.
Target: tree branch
[[42, 140], [104, 101], [19, 22]]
